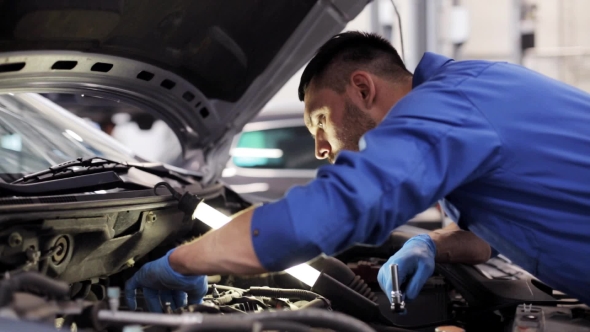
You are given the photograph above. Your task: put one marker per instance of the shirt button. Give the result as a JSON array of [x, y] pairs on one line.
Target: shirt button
[[255, 232]]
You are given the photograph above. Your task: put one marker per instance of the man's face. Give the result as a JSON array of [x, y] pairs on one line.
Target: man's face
[[335, 122]]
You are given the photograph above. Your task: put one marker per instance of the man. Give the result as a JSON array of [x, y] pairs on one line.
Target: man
[[506, 148]]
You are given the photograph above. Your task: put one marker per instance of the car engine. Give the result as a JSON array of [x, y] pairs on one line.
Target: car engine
[[65, 264], [339, 301]]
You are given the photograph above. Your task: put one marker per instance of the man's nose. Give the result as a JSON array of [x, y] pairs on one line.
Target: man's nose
[[322, 148]]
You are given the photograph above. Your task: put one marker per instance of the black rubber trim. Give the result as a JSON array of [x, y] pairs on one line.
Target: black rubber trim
[[89, 182]]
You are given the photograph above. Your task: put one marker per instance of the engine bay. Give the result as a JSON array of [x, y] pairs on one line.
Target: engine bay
[[66, 259]]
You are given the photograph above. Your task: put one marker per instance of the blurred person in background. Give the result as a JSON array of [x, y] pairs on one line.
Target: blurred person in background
[[149, 138]]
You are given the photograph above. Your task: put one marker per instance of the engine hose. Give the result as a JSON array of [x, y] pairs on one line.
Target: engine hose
[[341, 272], [359, 286], [317, 318], [33, 282], [234, 325], [284, 293], [317, 303], [247, 326], [285, 326]]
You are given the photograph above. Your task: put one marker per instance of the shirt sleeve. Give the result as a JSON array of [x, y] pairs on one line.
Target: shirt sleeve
[[433, 141]]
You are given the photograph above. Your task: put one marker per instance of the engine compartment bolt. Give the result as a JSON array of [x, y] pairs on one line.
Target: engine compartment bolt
[[15, 240], [151, 218]]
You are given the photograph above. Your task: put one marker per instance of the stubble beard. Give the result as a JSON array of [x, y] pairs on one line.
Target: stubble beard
[[355, 123]]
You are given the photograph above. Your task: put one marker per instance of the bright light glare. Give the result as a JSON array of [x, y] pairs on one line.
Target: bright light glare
[[210, 216], [215, 219], [229, 172], [305, 273], [74, 135], [250, 187], [257, 153]]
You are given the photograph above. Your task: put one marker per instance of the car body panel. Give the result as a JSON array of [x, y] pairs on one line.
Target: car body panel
[[203, 69]]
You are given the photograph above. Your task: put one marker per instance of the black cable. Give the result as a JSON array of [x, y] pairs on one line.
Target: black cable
[[399, 24], [172, 191]]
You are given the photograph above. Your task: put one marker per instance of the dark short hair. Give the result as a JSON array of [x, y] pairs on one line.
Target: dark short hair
[[349, 51]]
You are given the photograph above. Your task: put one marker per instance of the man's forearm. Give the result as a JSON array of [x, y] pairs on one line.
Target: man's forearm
[[228, 250], [454, 245]]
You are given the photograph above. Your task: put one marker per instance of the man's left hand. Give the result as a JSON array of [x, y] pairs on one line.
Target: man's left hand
[[161, 284], [415, 261]]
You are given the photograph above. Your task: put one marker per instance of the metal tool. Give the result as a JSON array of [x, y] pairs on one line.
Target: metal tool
[[397, 301]]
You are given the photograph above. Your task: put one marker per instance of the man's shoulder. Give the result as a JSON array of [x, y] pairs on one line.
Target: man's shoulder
[[457, 73]]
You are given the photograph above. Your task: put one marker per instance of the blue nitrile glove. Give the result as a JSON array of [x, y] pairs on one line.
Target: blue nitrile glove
[[415, 262], [161, 284]]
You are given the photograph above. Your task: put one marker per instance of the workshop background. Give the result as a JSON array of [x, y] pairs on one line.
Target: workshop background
[[549, 36]]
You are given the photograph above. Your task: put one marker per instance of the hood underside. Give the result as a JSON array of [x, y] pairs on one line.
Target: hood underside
[[218, 46], [205, 67]]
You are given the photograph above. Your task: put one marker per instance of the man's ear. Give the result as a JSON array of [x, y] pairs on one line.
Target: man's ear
[[364, 87]]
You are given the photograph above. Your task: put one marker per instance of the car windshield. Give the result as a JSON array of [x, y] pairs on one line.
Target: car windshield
[[35, 134]]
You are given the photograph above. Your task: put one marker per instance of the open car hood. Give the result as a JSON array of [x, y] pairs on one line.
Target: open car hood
[[204, 67]]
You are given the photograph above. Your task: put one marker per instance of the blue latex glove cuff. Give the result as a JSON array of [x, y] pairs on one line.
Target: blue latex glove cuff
[[415, 262], [426, 239]]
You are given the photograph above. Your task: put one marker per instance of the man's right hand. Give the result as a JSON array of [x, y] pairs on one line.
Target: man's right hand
[[415, 262], [161, 284]]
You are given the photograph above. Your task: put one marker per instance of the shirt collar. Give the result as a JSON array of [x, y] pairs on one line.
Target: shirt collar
[[428, 66]]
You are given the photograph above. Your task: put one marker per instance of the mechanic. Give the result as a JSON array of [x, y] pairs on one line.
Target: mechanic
[[505, 149]]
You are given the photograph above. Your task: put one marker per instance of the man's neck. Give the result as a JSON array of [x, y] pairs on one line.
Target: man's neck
[[392, 93]]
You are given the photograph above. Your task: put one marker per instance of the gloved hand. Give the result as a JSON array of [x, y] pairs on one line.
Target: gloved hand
[[415, 262], [161, 284]]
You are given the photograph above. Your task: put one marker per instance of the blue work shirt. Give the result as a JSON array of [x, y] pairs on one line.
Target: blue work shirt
[[508, 147]]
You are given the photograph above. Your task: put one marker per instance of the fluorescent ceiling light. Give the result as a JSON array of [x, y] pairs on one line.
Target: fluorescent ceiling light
[[257, 153], [215, 219]]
